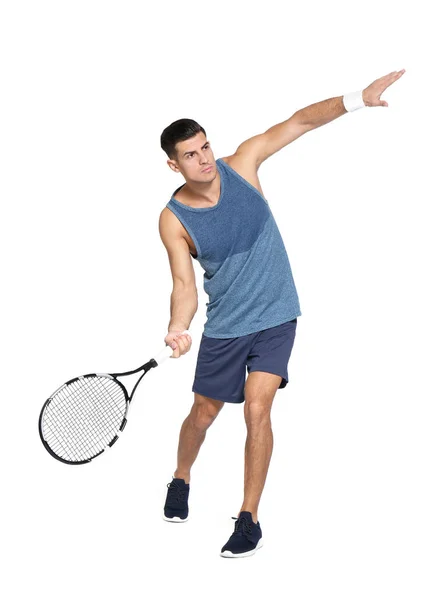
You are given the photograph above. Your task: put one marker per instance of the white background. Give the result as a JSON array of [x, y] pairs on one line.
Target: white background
[[87, 88]]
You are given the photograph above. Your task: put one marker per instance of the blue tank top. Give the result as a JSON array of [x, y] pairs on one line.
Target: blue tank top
[[247, 274]]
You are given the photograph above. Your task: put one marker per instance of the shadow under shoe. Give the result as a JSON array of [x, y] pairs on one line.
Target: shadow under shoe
[[176, 505]]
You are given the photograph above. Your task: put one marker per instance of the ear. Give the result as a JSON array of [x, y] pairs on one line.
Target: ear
[[173, 165]]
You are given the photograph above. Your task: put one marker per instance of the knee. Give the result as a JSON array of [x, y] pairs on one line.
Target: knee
[[256, 413], [205, 410]]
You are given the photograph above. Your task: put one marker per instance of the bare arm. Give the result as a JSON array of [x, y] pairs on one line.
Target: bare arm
[[184, 296], [262, 146], [183, 306], [325, 111]]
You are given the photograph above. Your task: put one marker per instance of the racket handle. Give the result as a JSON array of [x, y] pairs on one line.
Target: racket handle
[[167, 352]]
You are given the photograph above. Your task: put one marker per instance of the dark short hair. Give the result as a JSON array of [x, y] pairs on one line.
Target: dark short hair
[[178, 131]]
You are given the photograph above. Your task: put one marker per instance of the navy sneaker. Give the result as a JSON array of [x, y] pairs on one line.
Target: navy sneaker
[[246, 539], [176, 506]]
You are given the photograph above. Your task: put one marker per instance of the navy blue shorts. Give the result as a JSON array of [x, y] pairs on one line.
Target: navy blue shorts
[[221, 364]]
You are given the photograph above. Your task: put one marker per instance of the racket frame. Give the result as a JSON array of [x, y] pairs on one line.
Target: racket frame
[[160, 357], [145, 368]]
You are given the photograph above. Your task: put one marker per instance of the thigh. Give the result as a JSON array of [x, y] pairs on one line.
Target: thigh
[[271, 350], [221, 368]]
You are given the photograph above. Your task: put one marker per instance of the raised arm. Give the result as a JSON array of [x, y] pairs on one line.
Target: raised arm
[[262, 146]]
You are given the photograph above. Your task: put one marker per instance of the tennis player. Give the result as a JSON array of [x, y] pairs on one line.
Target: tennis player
[[221, 218]]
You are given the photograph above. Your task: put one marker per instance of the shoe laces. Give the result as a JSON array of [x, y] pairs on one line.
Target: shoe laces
[[242, 526], [176, 491]]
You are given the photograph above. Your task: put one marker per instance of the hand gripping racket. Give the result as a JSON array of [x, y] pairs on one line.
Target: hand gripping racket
[[86, 415]]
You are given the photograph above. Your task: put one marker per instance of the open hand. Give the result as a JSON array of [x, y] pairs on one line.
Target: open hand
[[371, 94]]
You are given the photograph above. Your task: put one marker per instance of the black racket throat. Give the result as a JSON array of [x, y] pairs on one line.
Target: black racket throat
[[145, 368]]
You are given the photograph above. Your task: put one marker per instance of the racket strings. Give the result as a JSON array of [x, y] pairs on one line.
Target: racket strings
[[83, 417]]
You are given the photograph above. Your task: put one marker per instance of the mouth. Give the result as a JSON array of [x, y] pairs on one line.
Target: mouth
[[207, 169]]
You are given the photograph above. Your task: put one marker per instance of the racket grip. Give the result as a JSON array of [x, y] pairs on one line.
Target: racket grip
[[167, 352]]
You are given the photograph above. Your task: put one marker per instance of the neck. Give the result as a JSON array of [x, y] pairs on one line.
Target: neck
[[208, 191]]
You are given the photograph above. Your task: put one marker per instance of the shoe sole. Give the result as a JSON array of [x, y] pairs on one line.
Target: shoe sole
[[175, 519], [229, 554]]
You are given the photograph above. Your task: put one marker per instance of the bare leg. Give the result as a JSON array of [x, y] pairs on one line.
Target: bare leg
[[193, 432], [259, 393]]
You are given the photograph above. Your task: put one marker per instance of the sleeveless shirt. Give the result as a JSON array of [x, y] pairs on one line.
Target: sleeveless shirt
[[247, 274]]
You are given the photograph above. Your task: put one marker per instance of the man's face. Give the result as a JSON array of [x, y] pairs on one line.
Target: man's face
[[195, 155]]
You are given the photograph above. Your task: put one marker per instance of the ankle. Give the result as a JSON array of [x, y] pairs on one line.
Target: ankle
[[186, 477], [253, 514]]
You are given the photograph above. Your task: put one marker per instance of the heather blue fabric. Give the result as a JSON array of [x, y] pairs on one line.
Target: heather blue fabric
[[247, 274], [220, 372]]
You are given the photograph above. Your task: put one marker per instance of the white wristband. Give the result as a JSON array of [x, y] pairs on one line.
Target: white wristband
[[353, 101]]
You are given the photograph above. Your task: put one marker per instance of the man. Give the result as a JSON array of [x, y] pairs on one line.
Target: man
[[221, 218]]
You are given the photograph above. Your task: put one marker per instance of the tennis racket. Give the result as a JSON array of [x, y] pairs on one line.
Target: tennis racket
[[86, 415]]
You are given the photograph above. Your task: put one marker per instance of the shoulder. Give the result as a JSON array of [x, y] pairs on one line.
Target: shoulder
[[241, 163], [169, 224], [245, 166]]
